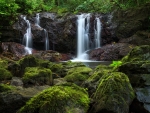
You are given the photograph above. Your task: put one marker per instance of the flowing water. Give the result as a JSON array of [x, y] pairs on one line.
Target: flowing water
[[97, 33], [46, 40], [37, 22], [83, 39], [27, 39]]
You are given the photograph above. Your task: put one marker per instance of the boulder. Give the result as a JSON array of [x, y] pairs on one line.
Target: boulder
[[13, 98], [114, 93], [78, 75], [55, 99], [110, 52], [137, 67], [37, 76]]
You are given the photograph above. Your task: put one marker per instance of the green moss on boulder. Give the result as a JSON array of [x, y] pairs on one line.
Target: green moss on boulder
[[37, 75], [114, 93], [3, 63], [5, 74], [92, 82], [5, 87], [58, 99], [78, 74], [139, 53]]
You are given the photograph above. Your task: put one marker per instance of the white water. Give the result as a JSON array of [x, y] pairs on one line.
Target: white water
[[46, 40], [37, 20], [98, 33], [27, 39], [83, 43], [83, 36]]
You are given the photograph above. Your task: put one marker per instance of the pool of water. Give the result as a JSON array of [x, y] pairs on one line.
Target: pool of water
[[93, 64]]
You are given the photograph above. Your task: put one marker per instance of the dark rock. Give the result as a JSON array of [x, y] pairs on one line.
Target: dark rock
[[16, 81], [12, 50], [110, 52], [130, 21], [11, 101], [139, 38]]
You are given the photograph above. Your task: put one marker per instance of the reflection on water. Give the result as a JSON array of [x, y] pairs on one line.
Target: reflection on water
[[93, 64]]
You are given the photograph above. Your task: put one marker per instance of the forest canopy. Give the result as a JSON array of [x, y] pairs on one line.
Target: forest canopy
[[11, 8]]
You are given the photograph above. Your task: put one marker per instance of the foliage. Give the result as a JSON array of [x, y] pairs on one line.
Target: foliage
[[57, 99], [116, 63], [8, 10]]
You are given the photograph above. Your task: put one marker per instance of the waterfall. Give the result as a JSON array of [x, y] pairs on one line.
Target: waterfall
[[46, 40], [37, 19], [97, 33], [83, 39], [83, 36], [27, 39], [37, 22]]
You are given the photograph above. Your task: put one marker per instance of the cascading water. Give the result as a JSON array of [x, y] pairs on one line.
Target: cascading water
[[37, 20], [83, 36], [27, 39], [97, 33], [83, 43], [46, 40]]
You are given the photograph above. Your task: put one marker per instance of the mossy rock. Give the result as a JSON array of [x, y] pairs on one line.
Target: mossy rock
[[5, 74], [78, 74], [70, 64], [92, 82], [27, 61], [5, 88], [114, 93], [58, 99], [138, 72], [3, 64], [37, 76], [139, 53]]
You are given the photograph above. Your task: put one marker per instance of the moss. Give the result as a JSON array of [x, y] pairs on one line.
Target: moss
[[5, 74], [57, 99], [70, 64], [3, 63], [78, 74], [138, 53], [114, 93], [98, 72], [5, 87], [27, 61], [37, 75]]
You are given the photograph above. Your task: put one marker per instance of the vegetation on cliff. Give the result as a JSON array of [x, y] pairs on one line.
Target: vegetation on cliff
[[9, 9]]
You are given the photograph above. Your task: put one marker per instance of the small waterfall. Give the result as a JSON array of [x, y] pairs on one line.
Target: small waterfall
[[27, 39], [37, 22], [97, 33], [83, 36], [83, 39], [46, 40]]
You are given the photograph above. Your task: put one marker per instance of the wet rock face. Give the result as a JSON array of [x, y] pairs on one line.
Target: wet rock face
[[110, 52], [62, 31], [130, 21], [12, 50]]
